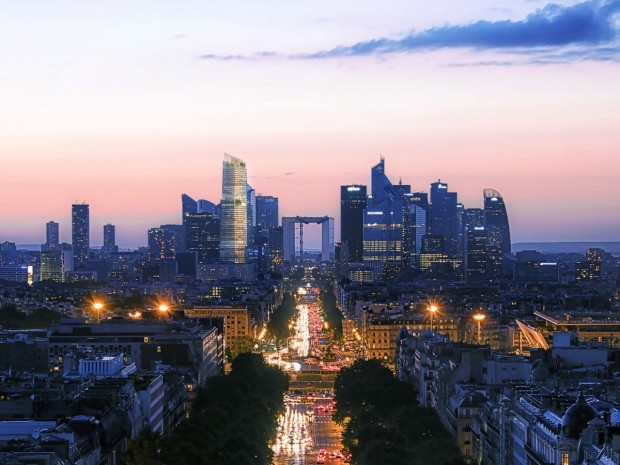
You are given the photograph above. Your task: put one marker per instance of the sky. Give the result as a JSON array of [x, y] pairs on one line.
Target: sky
[[127, 105]]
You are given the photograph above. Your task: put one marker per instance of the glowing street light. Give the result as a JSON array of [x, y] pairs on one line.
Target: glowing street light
[[98, 306], [163, 308], [432, 309], [479, 317]]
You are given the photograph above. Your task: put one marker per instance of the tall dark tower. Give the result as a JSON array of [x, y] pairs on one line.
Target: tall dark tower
[[188, 205], [203, 236], [444, 215], [496, 220], [80, 234], [51, 236], [267, 215], [352, 205]]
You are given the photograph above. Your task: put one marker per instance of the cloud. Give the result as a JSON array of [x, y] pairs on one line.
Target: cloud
[[289, 173], [587, 23], [584, 25]]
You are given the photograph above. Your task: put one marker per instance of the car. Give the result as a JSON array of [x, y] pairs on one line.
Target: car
[[320, 459]]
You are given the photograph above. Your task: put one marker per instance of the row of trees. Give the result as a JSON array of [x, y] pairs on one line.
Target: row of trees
[[384, 422], [332, 314], [233, 420], [12, 318], [278, 325]]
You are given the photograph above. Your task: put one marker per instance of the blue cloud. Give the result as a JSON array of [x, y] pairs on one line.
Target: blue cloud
[[587, 23], [585, 31]]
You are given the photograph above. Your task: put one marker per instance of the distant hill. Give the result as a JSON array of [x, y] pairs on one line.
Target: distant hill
[[565, 247]]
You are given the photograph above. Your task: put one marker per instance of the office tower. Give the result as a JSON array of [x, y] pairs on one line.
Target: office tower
[[188, 205], [80, 234], [416, 229], [592, 268], [473, 217], [51, 235], [251, 203], [178, 232], [204, 206], [203, 236], [55, 264], [267, 214], [595, 254], [460, 229], [496, 220], [161, 245], [234, 211], [276, 249], [476, 255], [109, 239], [443, 215], [384, 220], [353, 202]]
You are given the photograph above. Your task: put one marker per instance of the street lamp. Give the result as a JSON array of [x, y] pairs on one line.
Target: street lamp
[[479, 317], [98, 306], [432, 309]]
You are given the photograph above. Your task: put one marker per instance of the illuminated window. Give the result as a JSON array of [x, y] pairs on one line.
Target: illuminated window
[[565, 458]]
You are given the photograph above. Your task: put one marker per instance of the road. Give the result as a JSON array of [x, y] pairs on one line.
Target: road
[[307, 426], [304, 430]]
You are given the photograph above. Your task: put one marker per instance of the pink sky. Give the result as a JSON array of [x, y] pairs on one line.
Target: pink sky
[[113, 108]]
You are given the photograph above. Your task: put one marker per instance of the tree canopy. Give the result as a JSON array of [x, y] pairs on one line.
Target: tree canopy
[[384, 422]]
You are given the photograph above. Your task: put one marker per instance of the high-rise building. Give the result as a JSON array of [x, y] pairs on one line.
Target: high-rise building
[[55, 264], [51, 235], [276, 249], [80, 234], [251, 203], [443, 217], [178, 233], [161, 245], [476, 256], [384, 220], [267, 214], [234, 211], [496, 220], [109, 239], [188, 205], [353, 202], [205, 206], [203, 236]]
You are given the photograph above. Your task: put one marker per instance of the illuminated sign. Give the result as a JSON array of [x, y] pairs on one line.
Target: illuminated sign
[[479, 228], [374, 213], [442, 186], [353, 189], [493, 199]]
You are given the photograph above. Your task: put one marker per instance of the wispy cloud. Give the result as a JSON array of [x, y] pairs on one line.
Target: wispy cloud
[[588, 27], [289, 173]]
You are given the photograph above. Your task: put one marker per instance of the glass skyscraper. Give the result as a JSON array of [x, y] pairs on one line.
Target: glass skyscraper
[[188, 205], [234, 211], [443, 217], [496, 220], [267, 215], [384, 220], [80, 234], [353, 202], [51, 236], [203, 236]]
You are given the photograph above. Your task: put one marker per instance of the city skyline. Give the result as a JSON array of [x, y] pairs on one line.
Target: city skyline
[[309, 94], [136, 237]]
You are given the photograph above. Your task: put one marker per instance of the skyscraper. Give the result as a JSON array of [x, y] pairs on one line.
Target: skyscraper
[[496, 220], [188, 205], [444, 215], [109, 239], [353, 202], [51, 235], [384, 220], [267, 214], [234, 211], [276, 249], [476, 257], [251, 203], [161, 245], [203, 236], [80, 234]]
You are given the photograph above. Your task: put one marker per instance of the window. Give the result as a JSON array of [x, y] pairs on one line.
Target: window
[[565, 460]]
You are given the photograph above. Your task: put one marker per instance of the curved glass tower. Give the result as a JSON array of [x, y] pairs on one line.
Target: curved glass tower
[[496, 220], [234, 211]]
